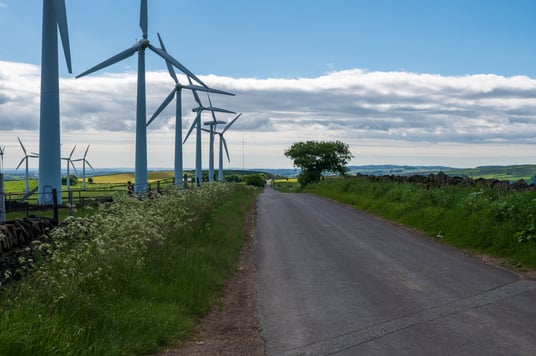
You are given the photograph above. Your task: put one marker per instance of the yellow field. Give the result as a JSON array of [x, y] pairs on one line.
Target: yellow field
[[125, 177], [286, 180]]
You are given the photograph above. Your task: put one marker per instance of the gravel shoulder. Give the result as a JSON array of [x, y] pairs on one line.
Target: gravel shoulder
[[232, 326]]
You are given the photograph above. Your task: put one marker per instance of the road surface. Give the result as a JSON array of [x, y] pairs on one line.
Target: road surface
[[333, 280]]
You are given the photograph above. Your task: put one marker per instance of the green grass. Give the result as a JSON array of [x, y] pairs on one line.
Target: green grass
[[478, 219], [136, 293]]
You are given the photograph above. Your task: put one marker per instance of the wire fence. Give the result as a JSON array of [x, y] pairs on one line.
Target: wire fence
[[36, 203]]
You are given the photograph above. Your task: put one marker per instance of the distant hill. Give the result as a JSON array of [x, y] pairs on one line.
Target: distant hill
[[511, 173]]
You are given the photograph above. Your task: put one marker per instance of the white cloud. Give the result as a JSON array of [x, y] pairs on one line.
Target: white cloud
[[431, 116]]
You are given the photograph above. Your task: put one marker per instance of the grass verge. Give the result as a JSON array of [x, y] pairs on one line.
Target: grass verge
[[131, 279], [482, 220]]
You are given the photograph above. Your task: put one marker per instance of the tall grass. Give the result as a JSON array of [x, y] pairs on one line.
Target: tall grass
[[480, 219], [129, 279]]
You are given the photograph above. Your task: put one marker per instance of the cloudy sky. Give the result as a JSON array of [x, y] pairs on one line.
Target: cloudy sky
[[415, 82]]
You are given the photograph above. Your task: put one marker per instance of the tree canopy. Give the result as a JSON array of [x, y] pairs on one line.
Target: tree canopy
[[316, 157]]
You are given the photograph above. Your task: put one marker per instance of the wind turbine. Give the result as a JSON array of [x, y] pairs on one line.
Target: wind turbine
[[69, 163], [140, 178], [223, 143], [2, 151], [177, 92], [54, 18], [26, 158], [84, 162], [197, 124], [212, 130]]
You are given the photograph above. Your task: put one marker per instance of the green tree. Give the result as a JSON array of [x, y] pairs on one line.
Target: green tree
[[256, 180], [315, 157]]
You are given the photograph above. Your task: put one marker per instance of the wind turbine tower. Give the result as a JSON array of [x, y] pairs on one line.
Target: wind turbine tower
[[54, 18], [140, 174]]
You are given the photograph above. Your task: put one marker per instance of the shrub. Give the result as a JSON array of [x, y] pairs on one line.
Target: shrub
[[256, 180]]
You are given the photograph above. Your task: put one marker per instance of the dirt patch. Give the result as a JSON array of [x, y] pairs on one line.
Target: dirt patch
[[232, 327]]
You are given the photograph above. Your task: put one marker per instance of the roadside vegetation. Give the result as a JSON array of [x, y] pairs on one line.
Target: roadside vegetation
[[482, 220], [130, 278]]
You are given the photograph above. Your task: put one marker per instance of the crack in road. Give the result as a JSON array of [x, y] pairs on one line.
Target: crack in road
[[356, 338]]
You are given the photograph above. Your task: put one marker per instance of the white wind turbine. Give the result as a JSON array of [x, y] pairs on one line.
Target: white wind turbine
[[54, 18], [84, 162], [2, 151], [26, 158], [141, 177], [69, 163], [212, 130], [176, 92], [223, 144], [197, 124]]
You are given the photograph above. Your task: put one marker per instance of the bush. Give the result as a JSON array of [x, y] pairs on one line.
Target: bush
[[72, 180], [256, 180]]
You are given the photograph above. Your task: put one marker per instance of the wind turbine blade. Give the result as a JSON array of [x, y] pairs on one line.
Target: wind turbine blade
[[220, 110], [196, 97], [89, 164], [20, 163], [226, 150], [162, 106], [21, 145], [143, 18], [192, 127], [118, 57], [74, 148], [209, 90], [232, 122], [212, 112], [203, 129], [72, 164], [61, 17], [169, 66], [85, 153], [176, 63]]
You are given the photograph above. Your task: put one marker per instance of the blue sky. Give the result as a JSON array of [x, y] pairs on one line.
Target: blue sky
[[407, 82]]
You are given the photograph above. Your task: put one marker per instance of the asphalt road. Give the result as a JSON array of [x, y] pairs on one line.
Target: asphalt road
[[333, 280]]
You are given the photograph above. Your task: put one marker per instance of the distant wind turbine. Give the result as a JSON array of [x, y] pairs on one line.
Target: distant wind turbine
[[223, 143], [141, 177], [197, 124], [176, 92], [54, 18], [212, 130], [69, 163], [2, 151], [84, 162], [26, 158]]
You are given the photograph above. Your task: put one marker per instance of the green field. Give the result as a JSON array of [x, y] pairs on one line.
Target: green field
[[510, 173]]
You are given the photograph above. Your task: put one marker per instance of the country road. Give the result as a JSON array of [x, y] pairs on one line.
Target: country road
[[333, 280]]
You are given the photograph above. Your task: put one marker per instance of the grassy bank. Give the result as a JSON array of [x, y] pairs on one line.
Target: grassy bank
[[129, 279], [482, 220]]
